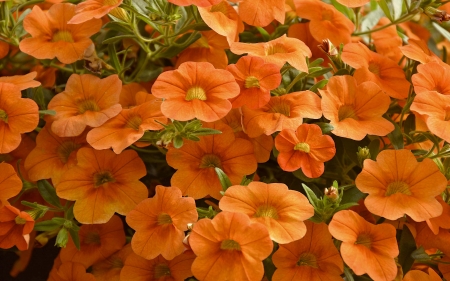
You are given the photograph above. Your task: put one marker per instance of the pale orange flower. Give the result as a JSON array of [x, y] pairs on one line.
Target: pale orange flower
[[22, 81], [129, 93], [199, 3], [387, 41], [416, 275], [93, 9], [10, 183], [432, 76], [15, 228], [261, 12], [442, 221], [418, 50]]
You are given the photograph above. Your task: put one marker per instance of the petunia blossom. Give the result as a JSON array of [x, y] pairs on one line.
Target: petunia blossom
[[93, 9]]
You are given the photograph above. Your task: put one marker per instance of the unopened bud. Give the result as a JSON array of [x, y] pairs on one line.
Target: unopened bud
[[328, 48], [332, 193], [62, 238], [363, 154], [120, 13], [436, 14]]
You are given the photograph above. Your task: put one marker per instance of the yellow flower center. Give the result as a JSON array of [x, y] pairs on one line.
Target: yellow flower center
[[87, 105], [161, 270], [374, 68], [230, 245], [164, 218], [251, 82], [302, 146], [364, 239], [3, 116], [307, 259], [20, 220], [195, 93], [266, 211], [397, 187], [210, 161], [220, 8], [62, 35], [282, 108], [92, 238], [276, 48], [103, 177], [134, 122], [347, 111], [65, 149]]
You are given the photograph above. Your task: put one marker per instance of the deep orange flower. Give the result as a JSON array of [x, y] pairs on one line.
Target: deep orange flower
[[353, 3], [418, 50], [416, 275], [426, 239], [432, 76], [223, 19], [278, 51], [110, 268], [442, 221], [53, 37], [397, 184], [137, 268], [97, 242], [10, 183], [195, 162], [282, 112], [281, 210], [70, 271], [261, 12], [262, 144], [160, 223], [126, 128], [370, 66], [4, 49], [93, 9], [196, 90], [229, 247], [15, 228], [436, 109], [86, 101], [352, 114], [326, 22], [387, 41], [17, 116], [199, 3], [102, 183], [53, 155], [22, 81], [312, 258], [301, 31], [45, 75], [256, 79], [305, 148], [366, 248], [128, 94], [209, 48]]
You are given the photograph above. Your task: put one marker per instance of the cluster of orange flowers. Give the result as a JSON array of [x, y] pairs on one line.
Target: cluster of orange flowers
[[225, 140]]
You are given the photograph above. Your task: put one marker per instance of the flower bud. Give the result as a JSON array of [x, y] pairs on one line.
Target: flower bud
[[328, 48], [120, 13], [62, 238], [436, 14], [332, 193], [363, 154]]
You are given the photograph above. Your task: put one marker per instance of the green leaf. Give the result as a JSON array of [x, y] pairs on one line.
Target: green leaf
[[397, 6], [48, 193], [341, 71], [371, 19], [420, 254], [265, 35], [319, 85], [223, 178], [407, 246], [348, 275], [116, 39], [410, 123], [345, 206], [206, 131], [180, 44], [442, 30], [114, 60], [177, 142], [325, 127], [46, 225], [118, 27], [374, 148], [47, 112], [343, 9], [311, 196], [384, 6], [301, 176], [396, 136], [316, 62], [352, 195], [319, 72], [75, 237]]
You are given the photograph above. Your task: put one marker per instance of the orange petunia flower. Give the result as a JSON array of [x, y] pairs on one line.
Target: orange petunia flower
[[22, 81], [110, 268], [15, 228], [432, 76], [262, 144], [387, 41], [370, 66], [229, 247], [10, 183], [281, 210], [278, 51], [326, 22], [102, 183], [223, 19], [160, 223], [70, 271], [209, 48], [93, 9], [53, 37], [256, 79], [127, 97], [261, 12], [418, 50], [352, 114], [198, 3], [128, 127], [366, 248], [353, 3], [195, 162], [97, 242], [397, 184], [415, 275], [442, 221], [86, 101], [301, 32], [282, 112], [196, 90], [137, 268], [45, 75], [53, 155], [436, 109], [312, 258], [305, 148], [17, 116], [426, 239], [4, 49]]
